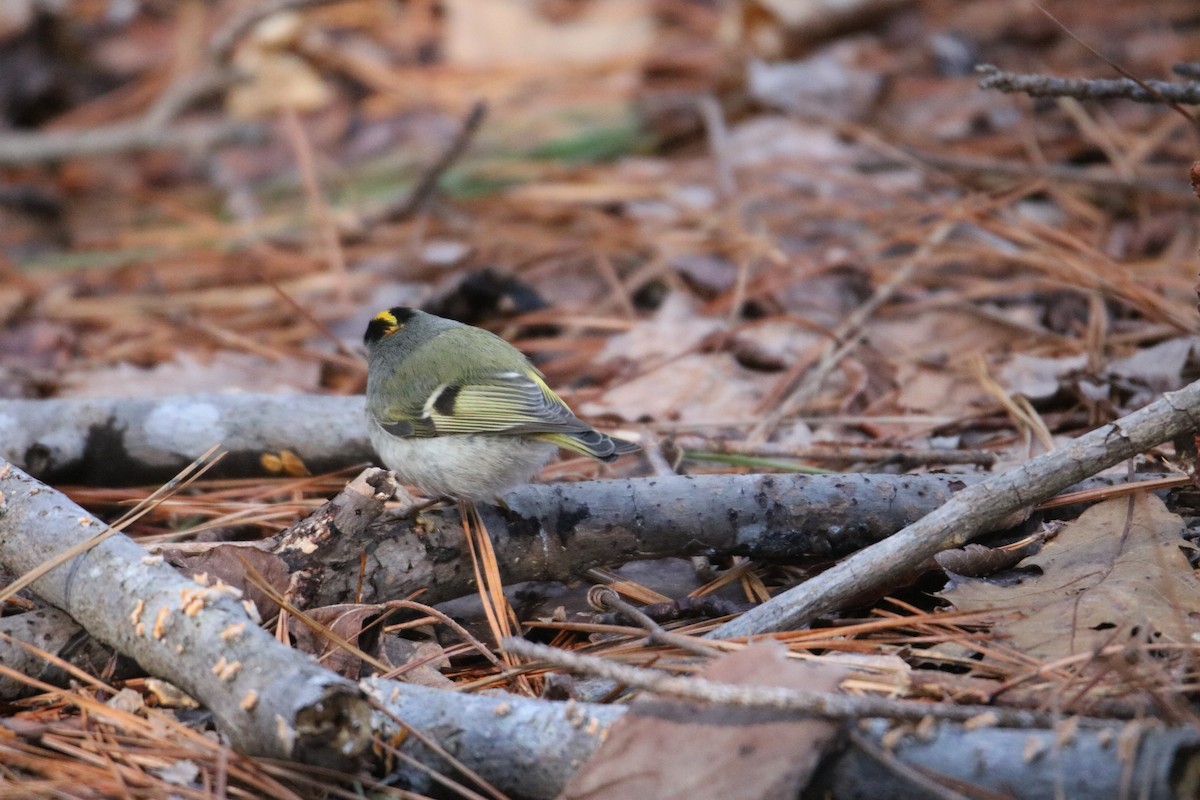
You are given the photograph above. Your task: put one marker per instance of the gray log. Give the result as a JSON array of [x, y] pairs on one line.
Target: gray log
[[112, 441], [270, 700], [527, 748]]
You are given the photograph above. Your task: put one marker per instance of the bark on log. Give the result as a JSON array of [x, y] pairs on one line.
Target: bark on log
[[113, 441], [269, 699], [527, 748], [556, 531], [54, 632], [524, 747], [1143, 759]]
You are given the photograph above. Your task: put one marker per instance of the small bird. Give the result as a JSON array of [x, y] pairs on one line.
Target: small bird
[[458, 412]]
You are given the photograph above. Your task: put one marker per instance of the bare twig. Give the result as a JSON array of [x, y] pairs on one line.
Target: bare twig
[[198, 637], [972, 512], [1145, 86], [127, 137], [838, 452], [831, 706], [425, 187], [1036, 85], [606, 598]]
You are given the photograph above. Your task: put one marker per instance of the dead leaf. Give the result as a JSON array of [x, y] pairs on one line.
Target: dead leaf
[[227, 562], [839, 82], [691, 388], [700, 388], [931, 352], [1114, 576], [428, 657], [714, 752], [1038, 378], [782, 341], [708, 274], [772, 140], [1158, 369], [346, 621], [975, 560], [676, 328], [275, 78]]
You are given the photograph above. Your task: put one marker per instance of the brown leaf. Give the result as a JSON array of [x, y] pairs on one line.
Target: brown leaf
[[668, 749], [228, 563], [701, 387], [347, 621], [427, 660], [975, 560], [1114, 576], [931, 353], [1038, 378], [1157, 368]]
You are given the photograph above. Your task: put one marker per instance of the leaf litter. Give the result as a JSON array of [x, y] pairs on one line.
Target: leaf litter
[[1117, 577], [667, 302]]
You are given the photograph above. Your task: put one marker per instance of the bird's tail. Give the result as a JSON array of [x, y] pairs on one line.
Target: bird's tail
[[592, 443]]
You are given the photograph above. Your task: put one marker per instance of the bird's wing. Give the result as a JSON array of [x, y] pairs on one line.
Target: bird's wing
[[504, 403]]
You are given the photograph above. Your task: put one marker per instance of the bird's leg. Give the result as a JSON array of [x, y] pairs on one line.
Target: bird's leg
[[410, 507]]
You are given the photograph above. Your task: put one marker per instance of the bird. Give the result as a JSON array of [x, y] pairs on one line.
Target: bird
[[458, 413]]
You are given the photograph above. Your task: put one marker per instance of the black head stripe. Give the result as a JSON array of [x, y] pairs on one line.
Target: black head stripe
[[377, 329], [444, 404], [386, 323]]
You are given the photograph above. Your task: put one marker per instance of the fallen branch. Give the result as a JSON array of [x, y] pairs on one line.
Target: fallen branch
[[529, 748], [821, 704], [1068, 761], [970, 513], [119, 441], [125, 137], [425, 187], [269, 699], [1036, 85], [350, 513], [113, 441], [834, 452], [557, 531], [519, 745], [55, 634]]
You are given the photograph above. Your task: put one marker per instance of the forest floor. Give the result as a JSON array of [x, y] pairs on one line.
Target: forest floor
[[750, 241]]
